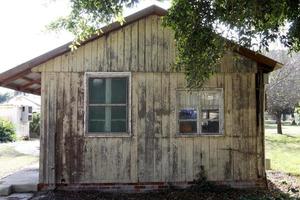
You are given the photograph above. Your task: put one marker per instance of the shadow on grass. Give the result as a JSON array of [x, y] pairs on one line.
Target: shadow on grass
[[283, 139], [271, 126], [9, 151], [290, 136]]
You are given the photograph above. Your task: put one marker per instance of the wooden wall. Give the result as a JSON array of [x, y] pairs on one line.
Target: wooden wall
[[154, 153], [143, 46]]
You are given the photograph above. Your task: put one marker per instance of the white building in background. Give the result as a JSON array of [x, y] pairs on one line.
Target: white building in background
[[19, 110]]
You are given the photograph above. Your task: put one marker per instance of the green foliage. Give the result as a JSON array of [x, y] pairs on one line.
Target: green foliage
[[283, 150], [201, 183], [7, 131], [34, 126], [199, 48], [297, 108], [88, 16], [200, 28]]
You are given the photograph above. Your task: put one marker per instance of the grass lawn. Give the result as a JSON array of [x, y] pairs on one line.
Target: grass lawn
[[283, 150], [12, 160]]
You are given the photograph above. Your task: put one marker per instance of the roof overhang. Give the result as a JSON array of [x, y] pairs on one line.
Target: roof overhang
[[21, 77], [266, 64]]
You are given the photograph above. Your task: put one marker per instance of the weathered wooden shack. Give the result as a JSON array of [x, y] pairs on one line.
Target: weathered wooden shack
[[115, 116]]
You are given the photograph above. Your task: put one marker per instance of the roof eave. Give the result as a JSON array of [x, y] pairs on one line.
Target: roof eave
[[261, 59], [24, 69]]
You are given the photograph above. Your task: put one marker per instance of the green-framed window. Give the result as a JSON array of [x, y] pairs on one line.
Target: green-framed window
[[107, 103]]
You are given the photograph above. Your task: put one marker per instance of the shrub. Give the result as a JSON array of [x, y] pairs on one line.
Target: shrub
[[34, 127], [7, 131]]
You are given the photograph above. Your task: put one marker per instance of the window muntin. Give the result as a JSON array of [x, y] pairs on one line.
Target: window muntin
[[107, 103], [200, 112]]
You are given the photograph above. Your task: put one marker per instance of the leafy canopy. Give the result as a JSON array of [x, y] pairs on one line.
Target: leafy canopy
[[200, 27]]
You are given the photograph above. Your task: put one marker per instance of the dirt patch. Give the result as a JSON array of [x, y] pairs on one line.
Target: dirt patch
[[285, 183], [281, 187]]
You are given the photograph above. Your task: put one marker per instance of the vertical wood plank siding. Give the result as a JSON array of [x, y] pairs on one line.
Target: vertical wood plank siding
[[154, 153]]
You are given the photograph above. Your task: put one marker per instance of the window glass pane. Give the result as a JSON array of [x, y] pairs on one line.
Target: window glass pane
[[106, 91], [118, 112], [96, 126], [97, 112], [204, 114], [208, 117], [214, 115], [211, 100], [118, 126], [188, 113], [96, 90], [210, 114], [188, 127], [210, 127], [118, 90]]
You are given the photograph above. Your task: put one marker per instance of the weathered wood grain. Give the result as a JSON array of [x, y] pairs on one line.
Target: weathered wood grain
[[154, 152]]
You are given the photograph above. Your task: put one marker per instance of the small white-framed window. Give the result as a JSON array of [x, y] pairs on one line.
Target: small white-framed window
[[200, 112], [107, 102]]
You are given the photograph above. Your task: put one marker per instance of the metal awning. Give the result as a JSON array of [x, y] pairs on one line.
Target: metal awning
[[21, 80]]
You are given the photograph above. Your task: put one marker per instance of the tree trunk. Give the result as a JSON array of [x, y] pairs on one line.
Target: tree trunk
[[294, 121], [278, 121]]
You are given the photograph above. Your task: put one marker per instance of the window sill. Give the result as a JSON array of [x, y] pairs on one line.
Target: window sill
[[108, 135], [198, 135]]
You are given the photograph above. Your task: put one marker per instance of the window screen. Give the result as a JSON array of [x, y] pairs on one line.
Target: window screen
[[107, 104]]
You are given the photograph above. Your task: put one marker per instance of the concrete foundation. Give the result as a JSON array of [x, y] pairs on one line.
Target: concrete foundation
[[23, 181]]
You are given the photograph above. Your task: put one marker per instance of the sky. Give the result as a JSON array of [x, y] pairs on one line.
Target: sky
[[23, 35]]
